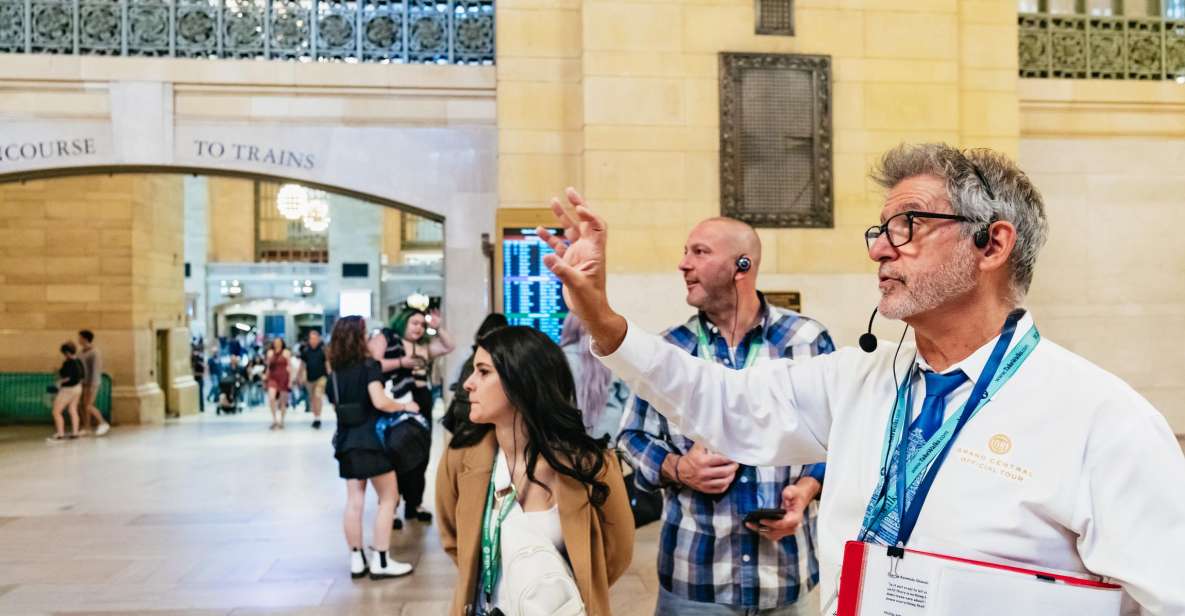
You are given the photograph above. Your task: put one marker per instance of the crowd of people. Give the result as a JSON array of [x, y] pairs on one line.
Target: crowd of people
[[531, 499], [773, 450], [244, 371], [770, 448]]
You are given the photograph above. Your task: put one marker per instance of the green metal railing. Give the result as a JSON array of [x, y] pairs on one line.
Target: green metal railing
[[23, 397]]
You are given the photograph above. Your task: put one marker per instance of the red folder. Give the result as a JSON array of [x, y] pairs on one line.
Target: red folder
[[852, 574]]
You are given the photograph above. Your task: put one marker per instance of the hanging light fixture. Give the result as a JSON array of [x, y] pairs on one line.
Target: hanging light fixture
[[292, 201], [316, 215]]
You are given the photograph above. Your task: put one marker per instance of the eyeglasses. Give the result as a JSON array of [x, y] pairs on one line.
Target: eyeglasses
[[899, 228], [987, 188]]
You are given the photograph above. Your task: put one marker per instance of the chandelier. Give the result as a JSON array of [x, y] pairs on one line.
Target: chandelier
[[316, 216], [292, 201], [311, 207]]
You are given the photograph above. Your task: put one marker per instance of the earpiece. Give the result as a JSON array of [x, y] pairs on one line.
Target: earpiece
[[744, 264], [981, 237]]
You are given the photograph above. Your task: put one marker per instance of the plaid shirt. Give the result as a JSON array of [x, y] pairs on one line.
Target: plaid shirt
[[705, 552]]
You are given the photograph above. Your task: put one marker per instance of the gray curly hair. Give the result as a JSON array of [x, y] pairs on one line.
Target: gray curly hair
[[1016, 199]]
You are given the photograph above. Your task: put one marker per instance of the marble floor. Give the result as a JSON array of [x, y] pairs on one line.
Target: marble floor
[[209, 516]]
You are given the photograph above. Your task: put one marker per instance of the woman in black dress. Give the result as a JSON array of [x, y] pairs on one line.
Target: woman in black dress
[[356, 379]]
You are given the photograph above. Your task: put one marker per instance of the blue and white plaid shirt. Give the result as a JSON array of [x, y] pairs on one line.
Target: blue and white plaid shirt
[[705, 552]]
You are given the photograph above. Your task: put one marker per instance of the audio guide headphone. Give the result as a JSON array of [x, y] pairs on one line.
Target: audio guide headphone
[[744, 264], [981, 237]]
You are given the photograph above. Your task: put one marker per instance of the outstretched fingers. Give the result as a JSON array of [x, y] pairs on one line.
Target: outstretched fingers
[[563, 271], [557, 243], [590, 222], [564, 217]]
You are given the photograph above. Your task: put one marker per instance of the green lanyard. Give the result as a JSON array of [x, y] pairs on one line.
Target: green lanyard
[[705, 347], [491, 533]]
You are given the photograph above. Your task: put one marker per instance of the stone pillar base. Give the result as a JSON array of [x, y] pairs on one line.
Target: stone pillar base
[[183, 396], [140, 404]]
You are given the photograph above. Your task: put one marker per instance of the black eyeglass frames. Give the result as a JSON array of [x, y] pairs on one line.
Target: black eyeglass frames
[[899, 228]]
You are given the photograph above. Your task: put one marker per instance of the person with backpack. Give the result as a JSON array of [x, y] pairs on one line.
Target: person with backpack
[[356, 390]]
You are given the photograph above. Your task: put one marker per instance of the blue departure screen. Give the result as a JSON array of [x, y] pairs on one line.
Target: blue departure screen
[[531, 294]]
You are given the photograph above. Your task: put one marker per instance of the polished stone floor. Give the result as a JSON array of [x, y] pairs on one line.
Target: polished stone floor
[[209, 516]]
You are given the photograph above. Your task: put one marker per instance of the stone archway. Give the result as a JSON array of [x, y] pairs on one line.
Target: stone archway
[[442, 172]]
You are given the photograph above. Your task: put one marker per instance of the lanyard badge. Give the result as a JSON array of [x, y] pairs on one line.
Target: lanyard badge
[[891, 492], [497, 508]]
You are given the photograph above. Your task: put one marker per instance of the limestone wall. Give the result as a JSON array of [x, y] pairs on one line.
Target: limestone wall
[[621, 100], [1110, 285], [101, 253]]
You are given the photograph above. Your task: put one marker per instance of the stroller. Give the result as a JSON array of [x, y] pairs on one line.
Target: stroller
[[229, 387]]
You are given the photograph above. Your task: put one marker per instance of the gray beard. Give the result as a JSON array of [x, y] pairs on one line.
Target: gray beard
[[930, 290]]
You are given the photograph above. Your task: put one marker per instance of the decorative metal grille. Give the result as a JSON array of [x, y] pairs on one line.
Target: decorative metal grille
[[775, 17], [775, 139], [1084, 47], [399, 31]]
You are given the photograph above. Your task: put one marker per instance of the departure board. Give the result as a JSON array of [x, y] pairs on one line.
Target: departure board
[[531, 294]]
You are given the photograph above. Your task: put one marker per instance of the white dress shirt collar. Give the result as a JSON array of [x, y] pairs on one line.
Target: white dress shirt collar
[[973, 364]]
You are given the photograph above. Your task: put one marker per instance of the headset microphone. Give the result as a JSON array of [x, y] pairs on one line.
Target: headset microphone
[[867, 340]]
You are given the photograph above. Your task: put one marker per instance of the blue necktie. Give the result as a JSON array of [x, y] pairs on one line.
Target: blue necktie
[[938, 387]]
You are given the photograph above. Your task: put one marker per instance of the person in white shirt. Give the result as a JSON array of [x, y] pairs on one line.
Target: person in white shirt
[[1061, 466]]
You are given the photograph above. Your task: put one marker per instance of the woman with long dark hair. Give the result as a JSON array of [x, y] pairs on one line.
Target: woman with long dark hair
[[458, 410], [356, 380], [531, 508]]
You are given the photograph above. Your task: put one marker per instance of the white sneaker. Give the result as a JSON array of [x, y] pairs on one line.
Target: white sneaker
[[357, 564], [391, 569], [103, 428]]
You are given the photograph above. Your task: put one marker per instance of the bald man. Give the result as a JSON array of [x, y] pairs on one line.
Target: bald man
[[711, 560]]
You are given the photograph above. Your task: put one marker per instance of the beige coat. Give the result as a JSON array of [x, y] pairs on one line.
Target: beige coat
[[599, 546]]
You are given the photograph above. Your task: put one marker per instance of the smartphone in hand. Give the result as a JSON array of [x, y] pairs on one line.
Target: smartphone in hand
[[758, 515]]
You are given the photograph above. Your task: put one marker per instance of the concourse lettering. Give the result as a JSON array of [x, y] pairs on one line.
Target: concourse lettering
[[45, 150]]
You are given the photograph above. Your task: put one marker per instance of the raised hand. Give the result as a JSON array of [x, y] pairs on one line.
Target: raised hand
[[579, 262]]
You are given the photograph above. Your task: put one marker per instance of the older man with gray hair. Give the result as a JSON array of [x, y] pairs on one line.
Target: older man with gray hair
[[1022, 452]]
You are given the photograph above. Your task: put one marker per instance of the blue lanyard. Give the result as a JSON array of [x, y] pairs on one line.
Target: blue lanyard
[[931, 456]]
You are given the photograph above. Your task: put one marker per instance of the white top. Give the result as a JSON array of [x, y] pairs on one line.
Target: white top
[[1067, 468], [545, 524]]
